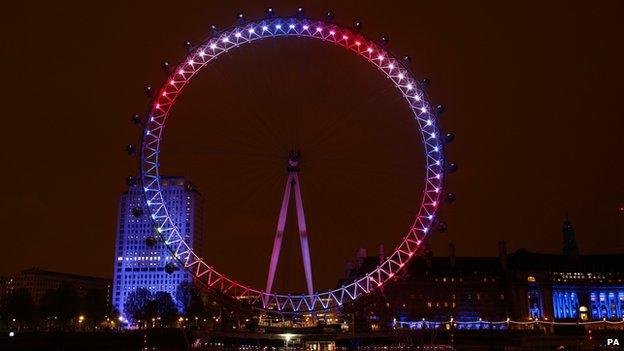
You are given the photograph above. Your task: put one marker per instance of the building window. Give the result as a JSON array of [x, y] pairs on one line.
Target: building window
[[535, 304], [607, 304], [566, 304]]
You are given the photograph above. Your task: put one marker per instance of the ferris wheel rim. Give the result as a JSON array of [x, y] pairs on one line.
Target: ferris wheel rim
[[249, 32]]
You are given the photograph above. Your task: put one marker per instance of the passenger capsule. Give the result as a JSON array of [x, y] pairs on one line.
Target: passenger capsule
[[170, 268], [452, 167], [188, 46], [137, 212], [449, 137], [150, 241], [439, 109], [148, 91], [441, 227], [131, 181], [450, 198]]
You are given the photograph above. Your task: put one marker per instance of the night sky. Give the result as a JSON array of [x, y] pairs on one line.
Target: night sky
[[532, 91]]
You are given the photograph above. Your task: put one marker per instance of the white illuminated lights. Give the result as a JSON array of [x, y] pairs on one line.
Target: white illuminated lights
[[299, 29]]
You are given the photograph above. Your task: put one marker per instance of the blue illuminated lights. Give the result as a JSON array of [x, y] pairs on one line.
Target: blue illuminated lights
[[139, 263], [607, 304], [565, 303]]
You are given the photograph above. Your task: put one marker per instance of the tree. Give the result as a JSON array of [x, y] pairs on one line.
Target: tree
[[135, 305], [184, 294], [196, 307], [94, 306], [190, 301], [165, 307], [66, 304], [47, 309], [19, 306]]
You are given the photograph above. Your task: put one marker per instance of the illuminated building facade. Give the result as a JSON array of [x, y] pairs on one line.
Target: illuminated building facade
[[140, 260], [521, 286], [570, 286]]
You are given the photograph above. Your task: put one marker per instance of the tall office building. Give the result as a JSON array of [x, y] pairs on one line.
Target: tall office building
[[141, 263]]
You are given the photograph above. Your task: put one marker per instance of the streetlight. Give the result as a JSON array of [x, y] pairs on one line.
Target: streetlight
[[287, 338]]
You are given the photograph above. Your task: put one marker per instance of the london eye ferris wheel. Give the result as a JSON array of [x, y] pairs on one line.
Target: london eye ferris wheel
[[425, 128]]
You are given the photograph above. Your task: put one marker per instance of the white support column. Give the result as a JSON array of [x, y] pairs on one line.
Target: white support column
[[292, 181], [303, 237], [279, 233]]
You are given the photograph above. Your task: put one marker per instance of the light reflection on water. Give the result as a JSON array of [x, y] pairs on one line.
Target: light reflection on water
[[198, 345]]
